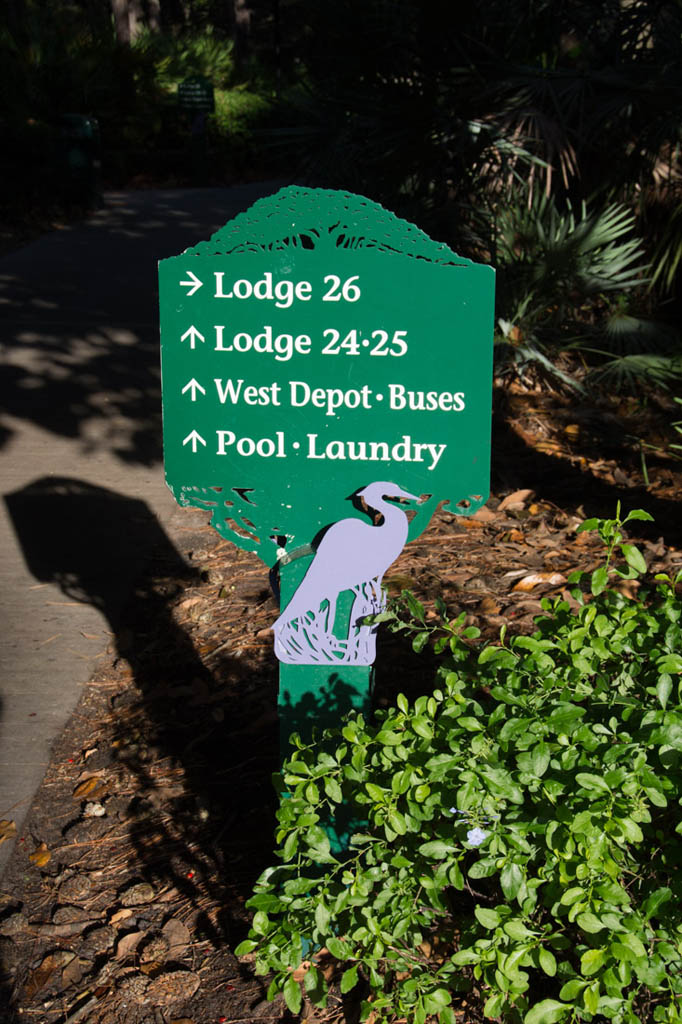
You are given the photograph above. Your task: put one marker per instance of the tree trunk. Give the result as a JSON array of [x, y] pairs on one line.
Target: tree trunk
[[241, 31], [154, 15], [121, 12]]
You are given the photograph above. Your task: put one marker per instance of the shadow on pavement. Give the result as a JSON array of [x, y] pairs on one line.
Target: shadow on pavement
[[200, 723], [79, 311]]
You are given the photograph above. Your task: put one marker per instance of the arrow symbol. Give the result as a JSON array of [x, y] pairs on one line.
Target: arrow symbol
[[193, 283], [192, 333], [193, 386], [195, 439]]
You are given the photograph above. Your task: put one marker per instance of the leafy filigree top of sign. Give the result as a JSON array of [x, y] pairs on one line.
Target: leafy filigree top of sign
[[290, 219]]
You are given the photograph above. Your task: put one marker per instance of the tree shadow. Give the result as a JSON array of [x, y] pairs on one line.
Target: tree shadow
[[180, 719], [81, 314]]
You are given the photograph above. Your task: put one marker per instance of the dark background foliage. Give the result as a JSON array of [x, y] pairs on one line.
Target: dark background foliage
[[488, 125]]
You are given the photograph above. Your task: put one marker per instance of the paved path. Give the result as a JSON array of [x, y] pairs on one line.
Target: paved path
[[80, 452]]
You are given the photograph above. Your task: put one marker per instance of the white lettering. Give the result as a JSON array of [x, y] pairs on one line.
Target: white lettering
[[283, 293], [405, 450]]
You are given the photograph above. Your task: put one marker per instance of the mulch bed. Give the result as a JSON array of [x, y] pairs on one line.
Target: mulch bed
[[125, 895]]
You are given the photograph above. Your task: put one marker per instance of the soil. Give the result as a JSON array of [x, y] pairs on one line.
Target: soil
[[125, 895]]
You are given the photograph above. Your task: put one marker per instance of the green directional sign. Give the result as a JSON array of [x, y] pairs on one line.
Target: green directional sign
[[196, 94], [293, 374], [318, 349]]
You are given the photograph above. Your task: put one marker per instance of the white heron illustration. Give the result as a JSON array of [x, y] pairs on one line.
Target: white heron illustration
[[352, 555]]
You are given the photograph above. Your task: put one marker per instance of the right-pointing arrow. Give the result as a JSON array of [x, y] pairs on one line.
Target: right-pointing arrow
[[193, 283], [195, 439], [193, 334], [193, 386]]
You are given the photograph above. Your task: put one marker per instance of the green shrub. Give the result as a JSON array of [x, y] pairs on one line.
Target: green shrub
[[522, 833]]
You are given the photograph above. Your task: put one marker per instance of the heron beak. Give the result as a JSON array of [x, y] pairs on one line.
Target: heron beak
[[403, 494]]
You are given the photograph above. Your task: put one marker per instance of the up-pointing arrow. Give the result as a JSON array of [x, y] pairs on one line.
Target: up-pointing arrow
[[193, 386], [193, 334], [195, 439], [193, 283]]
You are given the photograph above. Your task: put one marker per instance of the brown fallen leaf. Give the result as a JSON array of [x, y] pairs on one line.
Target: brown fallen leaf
[[177, 934], [128, 943], [120, 916], [74, 971], [534, 579], [483, 515], [8, 830], [86, 787], [39, 978], [40, 856], [517, 499]]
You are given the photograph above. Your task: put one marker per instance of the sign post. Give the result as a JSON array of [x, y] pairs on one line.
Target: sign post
[[197, 98], [327, 375]]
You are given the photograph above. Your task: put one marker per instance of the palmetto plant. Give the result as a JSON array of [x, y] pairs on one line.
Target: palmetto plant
[[563, 275], [552, 260]]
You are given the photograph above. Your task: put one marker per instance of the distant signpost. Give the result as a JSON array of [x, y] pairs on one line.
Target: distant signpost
[[317, 349], [195, 94]]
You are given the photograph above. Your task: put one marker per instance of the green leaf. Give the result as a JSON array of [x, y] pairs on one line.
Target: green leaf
[[634, 557], [261, 922], [290, 846], [247, 946], [638, 513], [547, 961], [635, 945], [436, 849], [589, 922], [670, 662], [463, 957], [516, 929], [322, 918], [333, 790], [293, 996], [488, 918], [588, 524], [591, 997], [664, 687], [598, 582], [349, 979], [630, 829], [540, 758], [655, 900], [592, 960], [590, 781], [420, 641], [572, 896], [422, 727], [493, 1006], [337, 947], [377, 794], [435, 1001], [548, 1011], [572, 988], [397, 821], [511, 879]]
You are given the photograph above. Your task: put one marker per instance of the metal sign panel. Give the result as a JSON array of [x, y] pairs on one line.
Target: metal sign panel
[[196, 94], [319, 349]]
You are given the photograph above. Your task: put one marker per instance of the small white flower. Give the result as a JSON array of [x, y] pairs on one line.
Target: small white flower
[[475, 836]]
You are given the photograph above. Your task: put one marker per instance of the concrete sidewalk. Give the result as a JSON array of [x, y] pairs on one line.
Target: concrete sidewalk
[[80, 457]]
